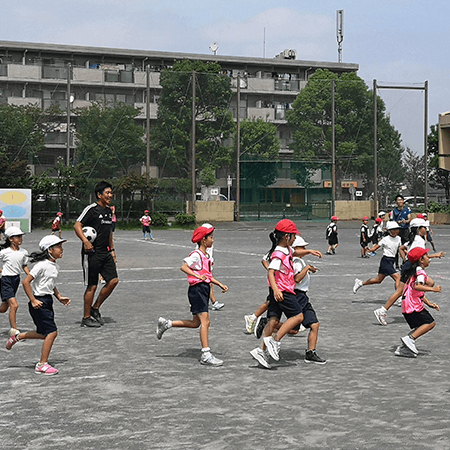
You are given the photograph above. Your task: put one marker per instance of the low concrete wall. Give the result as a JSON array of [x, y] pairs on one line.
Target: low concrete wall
[[438, 218], [214, 211], [352, 210]]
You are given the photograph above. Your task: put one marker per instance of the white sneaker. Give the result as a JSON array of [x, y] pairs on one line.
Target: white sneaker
[[410, 343], [261, 356], [210, 360], [250, 323], [161, 327], [13, 332], [358, 284], [380, 314], [217, 305], [273, 347], [401, 350]]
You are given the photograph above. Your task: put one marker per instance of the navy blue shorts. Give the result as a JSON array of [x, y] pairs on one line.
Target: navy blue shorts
[[198, 295], [289, 306], [309, 314], [387, 266], [43, 317], [9, 286], [98, 263], [416, 319], [333, 240]]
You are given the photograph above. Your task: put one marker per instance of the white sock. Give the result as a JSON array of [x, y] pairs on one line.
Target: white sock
[[384, 309], [206, 352], [253, 317]]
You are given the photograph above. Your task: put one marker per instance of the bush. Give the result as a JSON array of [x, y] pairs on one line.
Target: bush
[[159, 220], [184, 218], [438, 208]]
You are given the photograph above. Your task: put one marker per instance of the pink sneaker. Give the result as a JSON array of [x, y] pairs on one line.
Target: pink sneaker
[[11, 341], [45, 369]]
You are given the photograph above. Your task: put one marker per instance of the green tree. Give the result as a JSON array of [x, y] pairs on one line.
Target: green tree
[[109, 140], [21, 137], [439, 178], [414, 173], [171, 138], [260, 148], [311, 119]]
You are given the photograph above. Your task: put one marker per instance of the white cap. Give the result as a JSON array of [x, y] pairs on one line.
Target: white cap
[[49, 241], [381, 213], [13, 231], [207, 225], [299, 242], [391, 225], [417, 223]]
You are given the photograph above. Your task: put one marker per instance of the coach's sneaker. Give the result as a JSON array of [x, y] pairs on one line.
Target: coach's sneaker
[[273, 347], [380, 314], [45, 369], [358, 285], [13, 332], [217, 305], [162, 326], [95, 314], [311, 356], [208, 359], [261, 356], [90, 322], [410, 342], [250, 321], [260, 324], [404, 351], [11, 341]]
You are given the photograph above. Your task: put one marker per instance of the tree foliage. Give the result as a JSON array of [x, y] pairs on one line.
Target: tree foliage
[[312, 122], [171, 138], [110, 142], [414, 173]]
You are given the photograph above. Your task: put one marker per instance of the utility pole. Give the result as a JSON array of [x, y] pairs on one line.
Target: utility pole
[[333, 149], [340, 31], [375, 150], [238, 150], [192, 209], [69, 67], [425, 145], [147, 165]]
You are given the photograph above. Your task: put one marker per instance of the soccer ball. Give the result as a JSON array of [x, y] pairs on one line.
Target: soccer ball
[[90, 234]]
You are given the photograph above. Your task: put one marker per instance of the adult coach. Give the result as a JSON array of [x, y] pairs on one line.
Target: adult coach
[[402, 215], [99, 257]]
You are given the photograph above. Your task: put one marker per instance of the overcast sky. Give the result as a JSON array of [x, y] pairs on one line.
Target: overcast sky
[[393, 41]]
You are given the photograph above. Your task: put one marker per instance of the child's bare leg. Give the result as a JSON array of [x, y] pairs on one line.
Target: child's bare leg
[[292, 322], [396, 278], [211, 295], [204, 330], [262, 309], [194, 323], [425, 328], [395, 296], [13, 307], [4, 307], [376, 280], [47, 346], [313, 336]]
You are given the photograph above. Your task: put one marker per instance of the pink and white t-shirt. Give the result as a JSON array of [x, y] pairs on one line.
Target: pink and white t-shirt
[[413, 298]]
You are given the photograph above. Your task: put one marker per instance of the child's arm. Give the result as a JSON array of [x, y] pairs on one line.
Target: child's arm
[[437, 255], [424, 288], [374, 248], [430, 304], [35, 303], [218, 283], [25, 269], [302, 274], [276, 292], [301, 252], [265, 264], [63, 300], [402, 251], [188, 271]]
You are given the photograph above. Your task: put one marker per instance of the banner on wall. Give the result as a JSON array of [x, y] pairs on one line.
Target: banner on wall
[[16, 207]]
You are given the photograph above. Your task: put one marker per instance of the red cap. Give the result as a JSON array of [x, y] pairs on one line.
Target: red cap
[[287, 226], [146, 211], [416, 253], [334, 218], [420, 216], [59, 213], [378, 220], [200, 233], [365, 218]]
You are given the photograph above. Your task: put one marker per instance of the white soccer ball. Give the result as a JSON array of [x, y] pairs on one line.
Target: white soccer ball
[[90, 234]]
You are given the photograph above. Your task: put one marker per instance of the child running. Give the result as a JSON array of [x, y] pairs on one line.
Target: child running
[[14, 261], [390, 245], [282, 293], [417, 283], [39, 285], [332, 236], [56, 224], [197, 267]]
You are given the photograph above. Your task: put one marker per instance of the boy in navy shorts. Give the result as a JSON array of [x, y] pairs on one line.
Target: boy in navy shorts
[[197, 266]]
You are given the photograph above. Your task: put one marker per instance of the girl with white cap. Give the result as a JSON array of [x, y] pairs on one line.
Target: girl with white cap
[[14, 261], [39, 285]]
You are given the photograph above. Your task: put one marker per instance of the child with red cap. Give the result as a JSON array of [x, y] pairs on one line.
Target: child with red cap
[[332, 236], [417, 283], [56, 224], [197, 267], [146, 220]]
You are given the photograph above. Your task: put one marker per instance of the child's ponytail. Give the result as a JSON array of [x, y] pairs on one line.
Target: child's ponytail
[[409, 272], [275, 236]]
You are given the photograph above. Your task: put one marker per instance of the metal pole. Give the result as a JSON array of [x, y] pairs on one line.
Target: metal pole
[[333, 150], [238, 151], [69, 67], [147, 166], [192, 209], [425, 151], [375, 150]]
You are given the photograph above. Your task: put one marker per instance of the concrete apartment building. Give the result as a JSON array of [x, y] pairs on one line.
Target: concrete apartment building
[[38, 73]]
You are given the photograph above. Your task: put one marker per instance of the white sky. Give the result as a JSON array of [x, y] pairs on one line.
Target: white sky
[[393, 41]]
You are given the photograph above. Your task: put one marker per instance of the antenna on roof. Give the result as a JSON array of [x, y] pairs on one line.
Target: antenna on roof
[[213, 47], [340, 31]]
